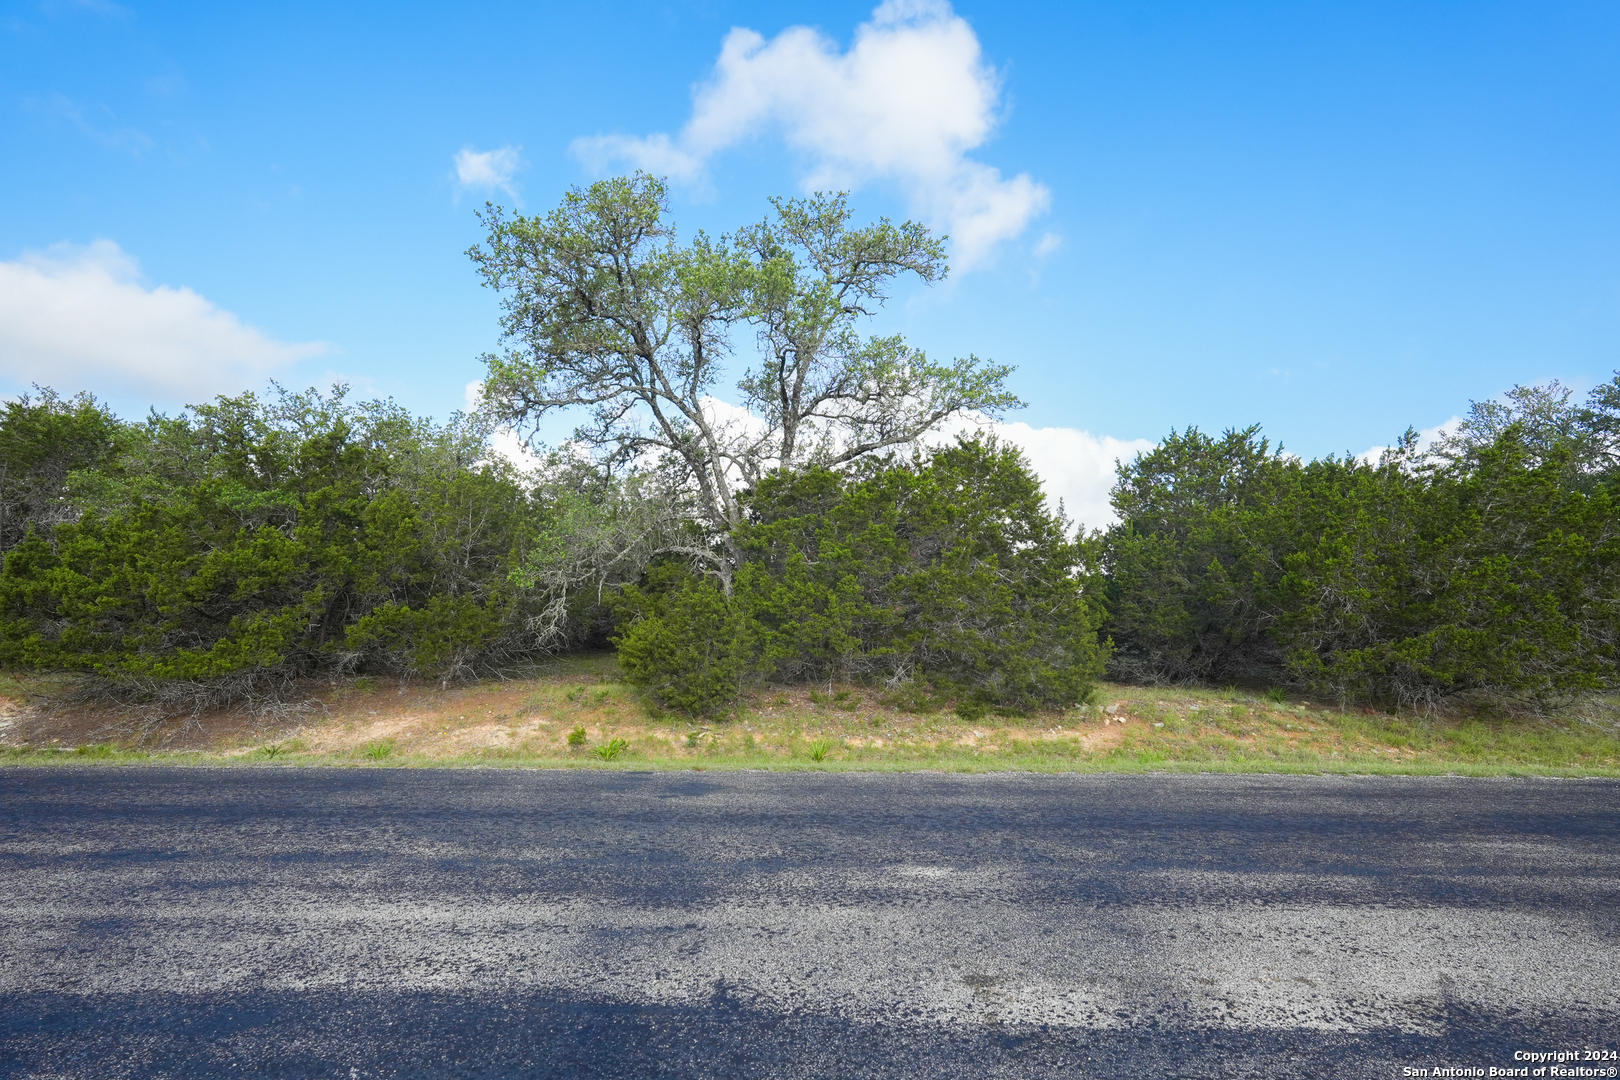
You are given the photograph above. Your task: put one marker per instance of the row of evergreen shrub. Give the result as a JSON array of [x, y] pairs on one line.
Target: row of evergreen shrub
[[255, 541], [1402, 581]]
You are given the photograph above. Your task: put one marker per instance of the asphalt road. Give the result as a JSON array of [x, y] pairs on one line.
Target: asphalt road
[[393, 923]]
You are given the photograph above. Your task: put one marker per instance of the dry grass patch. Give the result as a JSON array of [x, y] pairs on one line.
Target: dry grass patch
[[580, 713]]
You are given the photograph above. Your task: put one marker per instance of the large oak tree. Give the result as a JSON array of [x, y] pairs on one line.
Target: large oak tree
[[606, 312]]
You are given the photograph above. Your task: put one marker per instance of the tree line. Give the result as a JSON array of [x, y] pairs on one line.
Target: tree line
[[246, 544], [1488, 564]]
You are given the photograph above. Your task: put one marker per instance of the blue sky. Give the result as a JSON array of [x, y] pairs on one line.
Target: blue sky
[[1334, 220]]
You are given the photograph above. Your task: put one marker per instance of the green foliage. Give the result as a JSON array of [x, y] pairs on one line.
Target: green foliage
[[948, 571], [688, 645], [819, 749], [44, 440], [255, 538], [607, 314], [610, 749], [972, 711], [251, 541], [1182, 567], [1585, 437], [1488, 569], [1496, 578]]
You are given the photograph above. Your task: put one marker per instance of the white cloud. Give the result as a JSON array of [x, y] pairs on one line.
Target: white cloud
[[505, 442], [1048, 243], [1075, 466], [79, 317], [904, 105], [1426, 438], [489, 170]]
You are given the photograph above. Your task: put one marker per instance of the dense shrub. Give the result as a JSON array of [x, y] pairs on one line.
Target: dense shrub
[[43, 439], [1188, 579], [684, 642], [1500, 579], [254, 539], [948, 571], [1490, 567]]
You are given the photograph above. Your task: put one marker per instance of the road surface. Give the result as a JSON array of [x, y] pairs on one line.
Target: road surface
[[449, 923]]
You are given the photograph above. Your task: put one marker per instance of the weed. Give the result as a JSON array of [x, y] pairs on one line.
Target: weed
[[97, 750], [819, 749], [972, 711], [818, 698], [272, 750], [376, 751], [611, 749], [912, 697], [694, 739], [846, 701], [1277, 695]]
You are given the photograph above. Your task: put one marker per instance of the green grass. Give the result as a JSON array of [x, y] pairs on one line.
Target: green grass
[[381, 750], [1027, 758], [580, 714]]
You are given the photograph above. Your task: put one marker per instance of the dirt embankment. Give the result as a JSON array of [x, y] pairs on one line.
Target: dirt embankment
[[582, 712]]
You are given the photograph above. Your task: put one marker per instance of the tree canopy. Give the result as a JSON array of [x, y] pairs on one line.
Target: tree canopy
[[605, 311], [1489, 565], [808, 531]]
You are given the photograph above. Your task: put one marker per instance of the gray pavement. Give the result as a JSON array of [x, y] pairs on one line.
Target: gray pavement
[[393, 923]]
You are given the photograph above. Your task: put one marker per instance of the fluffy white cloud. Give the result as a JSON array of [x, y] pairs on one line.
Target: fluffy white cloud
[[1075, 466], [904, 105], [79, 317], [489, 170]]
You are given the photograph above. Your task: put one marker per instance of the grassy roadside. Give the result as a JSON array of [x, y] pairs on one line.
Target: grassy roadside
[[579, 715]]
